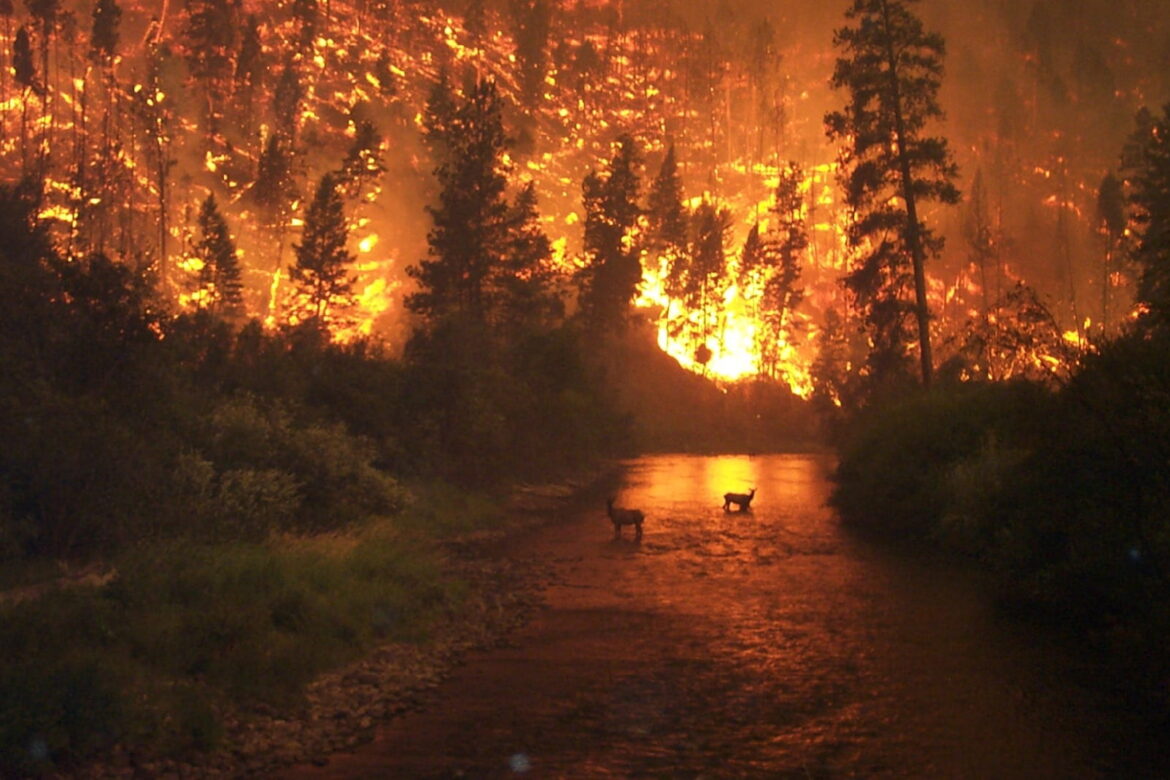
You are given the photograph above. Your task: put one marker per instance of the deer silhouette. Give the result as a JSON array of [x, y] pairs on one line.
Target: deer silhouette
[[620, 517], [741, 500]]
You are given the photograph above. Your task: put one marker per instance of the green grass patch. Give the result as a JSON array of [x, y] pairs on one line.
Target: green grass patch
[[440, 510], [150, 658]]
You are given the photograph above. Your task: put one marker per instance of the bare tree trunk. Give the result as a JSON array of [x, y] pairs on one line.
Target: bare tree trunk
[[1106, 283], [24, 131], [44, 147], [161, 174]]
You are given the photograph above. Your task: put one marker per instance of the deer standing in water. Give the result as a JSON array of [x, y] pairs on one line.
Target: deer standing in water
[[620, 517], [741, 500]]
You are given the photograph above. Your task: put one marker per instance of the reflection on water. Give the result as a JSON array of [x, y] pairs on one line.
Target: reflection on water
[[783, 646], [757, 644], [695, 483]]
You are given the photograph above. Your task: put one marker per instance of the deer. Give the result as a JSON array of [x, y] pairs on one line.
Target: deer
[[620, 517], [741, 500]]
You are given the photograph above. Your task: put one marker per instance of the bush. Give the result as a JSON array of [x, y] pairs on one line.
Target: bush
[[1064, 495], [252, 503], [898, 462], [440, 509], [269, 471], [68, 707], [977, 505], [1090, 524]]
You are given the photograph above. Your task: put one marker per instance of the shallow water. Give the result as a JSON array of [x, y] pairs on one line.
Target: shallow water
[[766, 643]]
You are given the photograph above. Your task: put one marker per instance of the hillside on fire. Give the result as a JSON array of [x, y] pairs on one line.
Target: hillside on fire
[[296, 296]]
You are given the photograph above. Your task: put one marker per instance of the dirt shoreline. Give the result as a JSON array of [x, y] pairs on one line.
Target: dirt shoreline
[[343, 709]]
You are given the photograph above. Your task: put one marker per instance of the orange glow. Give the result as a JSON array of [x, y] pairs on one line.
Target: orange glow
[[357, 67]]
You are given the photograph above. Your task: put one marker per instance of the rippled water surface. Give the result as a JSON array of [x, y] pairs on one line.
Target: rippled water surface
[[759, 644]]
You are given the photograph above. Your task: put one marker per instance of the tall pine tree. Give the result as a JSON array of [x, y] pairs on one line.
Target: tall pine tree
[[1111, 226], [532, 20], [248, 76], [1147, 171], [782, 248], [439, 117], [891, 68], [210, 37], [219, 278], [286, 102], [104, 40], [363, 161], [666, 218], [613, 270], [321, 275], [707, 280], [525, 300], [25, 72], [274, 189], [468, 242]]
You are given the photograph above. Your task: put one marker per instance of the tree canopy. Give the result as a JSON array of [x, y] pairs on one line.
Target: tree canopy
[[468, 241], [891, 68], [321, 274], [1148, 174], [613, 270]]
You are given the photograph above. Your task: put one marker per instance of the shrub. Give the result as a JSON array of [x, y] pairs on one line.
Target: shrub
[[276, 472], [66, 707], [897, 461], [17, 530], [976, 509], [251, 503], [336, 472], [1063, 494], [441, 509], [1089, 533]]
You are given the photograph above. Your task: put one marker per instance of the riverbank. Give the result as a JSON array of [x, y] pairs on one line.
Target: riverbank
[[771, 643], [1059, 494], [340, 709]]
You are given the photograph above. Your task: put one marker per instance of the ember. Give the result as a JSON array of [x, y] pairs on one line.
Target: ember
[[131, 122]]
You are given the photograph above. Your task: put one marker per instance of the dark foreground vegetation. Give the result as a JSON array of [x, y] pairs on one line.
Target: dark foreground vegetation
[[242, 495], [255, 506], [198, 514], [1061, 488], [1062, 493]]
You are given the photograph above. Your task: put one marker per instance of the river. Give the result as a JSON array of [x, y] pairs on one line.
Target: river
[[767, 643]]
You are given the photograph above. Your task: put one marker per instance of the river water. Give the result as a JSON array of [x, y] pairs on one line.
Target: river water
[[767, 643]]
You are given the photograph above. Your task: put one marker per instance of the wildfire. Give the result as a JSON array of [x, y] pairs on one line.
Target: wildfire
[[172, 139]]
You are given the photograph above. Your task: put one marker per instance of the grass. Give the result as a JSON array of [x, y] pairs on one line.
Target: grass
[[149, 659], [440, 510]]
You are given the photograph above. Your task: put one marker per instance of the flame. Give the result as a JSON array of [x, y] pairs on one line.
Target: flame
[[354, 60]]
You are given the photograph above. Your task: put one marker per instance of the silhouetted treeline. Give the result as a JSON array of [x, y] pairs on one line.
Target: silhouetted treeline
[[123, 422]]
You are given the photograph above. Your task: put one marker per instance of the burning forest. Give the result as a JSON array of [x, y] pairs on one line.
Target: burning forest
[[152, 133], [301, 300]]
